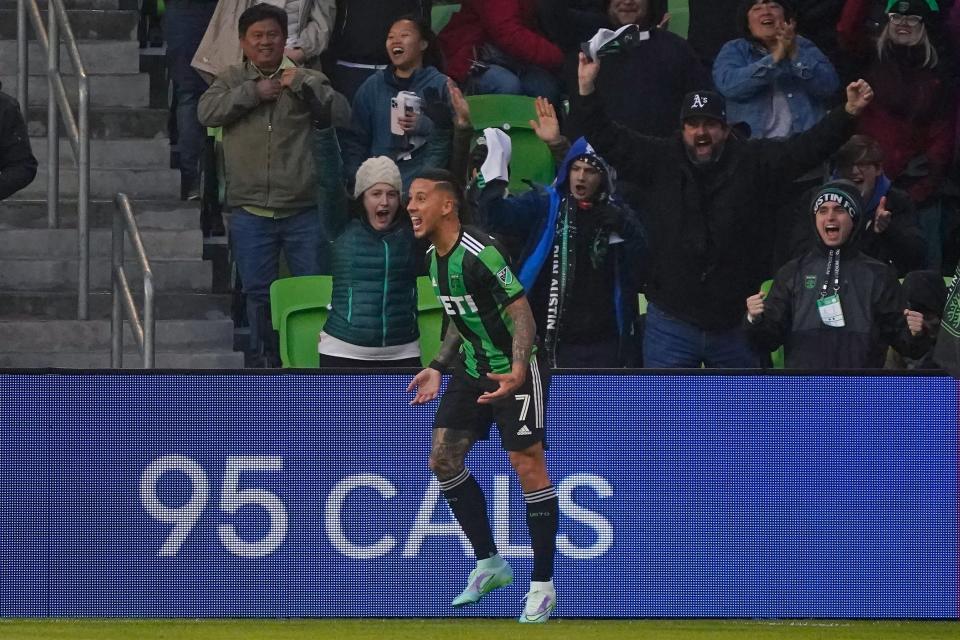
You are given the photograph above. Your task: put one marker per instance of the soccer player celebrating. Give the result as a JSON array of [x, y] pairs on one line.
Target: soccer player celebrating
[[496, 377]]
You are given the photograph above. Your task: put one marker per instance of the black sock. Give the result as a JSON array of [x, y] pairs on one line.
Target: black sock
[[543, 520], [468, 504]]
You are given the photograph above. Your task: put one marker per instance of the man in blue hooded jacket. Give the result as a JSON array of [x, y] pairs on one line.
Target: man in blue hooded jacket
[[580, 262]]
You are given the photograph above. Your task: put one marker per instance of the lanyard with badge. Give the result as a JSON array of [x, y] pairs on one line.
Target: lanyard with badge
[[829, 305]]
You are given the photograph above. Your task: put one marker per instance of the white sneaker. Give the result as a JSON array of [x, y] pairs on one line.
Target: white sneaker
[[541, 600]]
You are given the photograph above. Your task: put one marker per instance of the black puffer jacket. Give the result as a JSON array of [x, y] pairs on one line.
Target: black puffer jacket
[[18, 166], [704, 225], [872, 304]]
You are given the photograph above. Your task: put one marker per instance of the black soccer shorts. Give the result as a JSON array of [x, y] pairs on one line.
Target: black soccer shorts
[[520, 417]]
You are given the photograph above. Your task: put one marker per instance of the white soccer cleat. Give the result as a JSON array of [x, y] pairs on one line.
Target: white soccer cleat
[[489, 575], [541, 600]]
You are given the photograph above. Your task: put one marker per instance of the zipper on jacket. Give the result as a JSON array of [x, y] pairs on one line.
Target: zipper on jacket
[[269, 144], [386, 276], [349, 304]]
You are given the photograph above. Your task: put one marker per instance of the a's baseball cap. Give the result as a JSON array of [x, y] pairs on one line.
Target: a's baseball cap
[[704, 104]]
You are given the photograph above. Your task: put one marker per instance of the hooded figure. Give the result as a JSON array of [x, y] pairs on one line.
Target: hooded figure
[[834, 307], [579, 261]]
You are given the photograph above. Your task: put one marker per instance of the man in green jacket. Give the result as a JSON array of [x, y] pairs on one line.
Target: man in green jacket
[[268, 107]]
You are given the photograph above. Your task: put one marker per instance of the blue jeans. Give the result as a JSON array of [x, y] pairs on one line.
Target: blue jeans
[[530, 81], [669, 343], [257, 242], [184, 24]]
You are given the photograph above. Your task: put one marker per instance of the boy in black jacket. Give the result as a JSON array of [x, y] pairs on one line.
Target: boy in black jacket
[[834, 307]]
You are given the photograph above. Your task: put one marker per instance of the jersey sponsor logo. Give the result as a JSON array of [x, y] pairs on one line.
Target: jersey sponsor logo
[[458, 305], [505, 276]]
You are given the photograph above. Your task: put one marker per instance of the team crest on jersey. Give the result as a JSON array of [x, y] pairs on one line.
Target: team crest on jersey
[[810, 282], [505, 276]]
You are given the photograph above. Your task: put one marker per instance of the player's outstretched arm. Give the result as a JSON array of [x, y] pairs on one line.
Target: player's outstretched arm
[[524, 332], [427, 382]]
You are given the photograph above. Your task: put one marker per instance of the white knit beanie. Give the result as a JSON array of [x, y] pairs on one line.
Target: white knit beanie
[[374, 171]]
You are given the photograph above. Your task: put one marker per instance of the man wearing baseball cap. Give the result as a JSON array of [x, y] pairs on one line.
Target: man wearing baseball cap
[[707, 195]]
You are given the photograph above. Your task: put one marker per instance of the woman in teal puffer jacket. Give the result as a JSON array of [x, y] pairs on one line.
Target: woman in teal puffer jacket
[[376, 261]]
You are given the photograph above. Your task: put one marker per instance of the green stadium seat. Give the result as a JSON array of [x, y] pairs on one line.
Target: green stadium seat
[[429, 319], [440, 15], [299, 308], [679, 17], [775, 356], [531, 158]]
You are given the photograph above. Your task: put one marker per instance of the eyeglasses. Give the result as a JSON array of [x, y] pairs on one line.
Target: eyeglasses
[[899, 18]]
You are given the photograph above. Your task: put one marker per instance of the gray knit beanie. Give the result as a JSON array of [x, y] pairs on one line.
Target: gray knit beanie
[[374, 171]]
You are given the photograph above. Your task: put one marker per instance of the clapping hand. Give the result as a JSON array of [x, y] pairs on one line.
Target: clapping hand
[[786, 46], [461, 108]]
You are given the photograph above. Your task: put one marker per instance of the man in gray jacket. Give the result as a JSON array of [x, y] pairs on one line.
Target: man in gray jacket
[[268, 108]]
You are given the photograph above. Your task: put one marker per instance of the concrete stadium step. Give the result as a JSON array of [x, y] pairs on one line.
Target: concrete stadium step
[[79, 4], [98, 56], [61, 275], [46, 336], [106, 90], [106, 183], [131, 360], [87, 24], [62, 305], [150, 214], [61, 244], [129, 153], [107, 122]]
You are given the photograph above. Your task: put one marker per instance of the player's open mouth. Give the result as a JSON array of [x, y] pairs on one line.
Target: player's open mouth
[[416, 222], [767, 22], [832, 231], [579, 190], [397, 51], [383, 215]]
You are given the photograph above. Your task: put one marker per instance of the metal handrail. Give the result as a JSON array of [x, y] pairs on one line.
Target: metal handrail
[[77, 127], [143, 333]]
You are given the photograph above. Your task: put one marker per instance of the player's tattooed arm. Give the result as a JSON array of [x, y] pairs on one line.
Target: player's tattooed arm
[[449, 348], [524, 331]]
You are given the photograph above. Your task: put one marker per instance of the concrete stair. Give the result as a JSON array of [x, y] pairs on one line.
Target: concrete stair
[[104, 56], [87, 24], [129, 152], [110, 123], [106, 90]]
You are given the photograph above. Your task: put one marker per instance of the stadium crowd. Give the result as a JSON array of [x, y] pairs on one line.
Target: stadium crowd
[[811, 143]]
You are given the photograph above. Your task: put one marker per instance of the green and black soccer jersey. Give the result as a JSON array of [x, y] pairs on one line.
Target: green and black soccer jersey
[[475, 285]]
